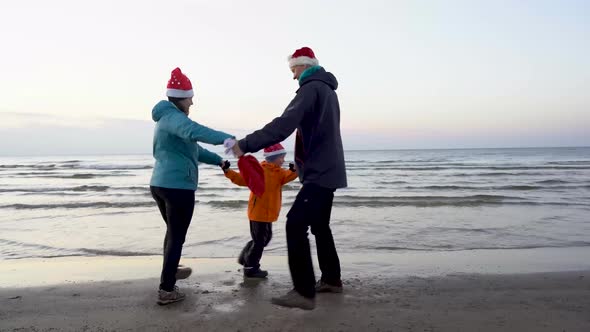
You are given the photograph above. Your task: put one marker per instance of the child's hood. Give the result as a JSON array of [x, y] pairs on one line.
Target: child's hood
[[271, 167]]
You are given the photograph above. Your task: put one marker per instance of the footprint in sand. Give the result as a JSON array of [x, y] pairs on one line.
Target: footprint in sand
[[228, 282]]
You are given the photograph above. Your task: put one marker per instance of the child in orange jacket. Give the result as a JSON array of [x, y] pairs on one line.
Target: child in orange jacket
[[263, 210]]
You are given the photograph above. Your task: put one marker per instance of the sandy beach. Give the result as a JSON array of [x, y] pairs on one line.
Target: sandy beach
[[118, 294]]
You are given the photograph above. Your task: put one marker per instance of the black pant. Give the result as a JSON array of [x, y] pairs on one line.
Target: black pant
[[261, 233], [176, 207], [312, 208]]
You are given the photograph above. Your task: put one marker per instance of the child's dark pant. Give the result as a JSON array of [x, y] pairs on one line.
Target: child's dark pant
[[261, 233]]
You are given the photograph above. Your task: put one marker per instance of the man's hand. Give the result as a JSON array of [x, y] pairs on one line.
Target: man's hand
[[225, 166], [231, 147], [237, 151], [292, 167]]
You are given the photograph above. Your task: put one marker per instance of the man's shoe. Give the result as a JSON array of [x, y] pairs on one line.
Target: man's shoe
[[294, 300], [165, 297]]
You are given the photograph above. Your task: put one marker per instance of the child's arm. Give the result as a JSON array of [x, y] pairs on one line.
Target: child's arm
[[289, 175], [235, 177]]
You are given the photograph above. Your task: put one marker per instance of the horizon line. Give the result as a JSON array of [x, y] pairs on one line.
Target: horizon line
[[291, 151]]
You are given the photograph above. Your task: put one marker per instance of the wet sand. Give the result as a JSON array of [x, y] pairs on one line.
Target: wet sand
[[119, 293]]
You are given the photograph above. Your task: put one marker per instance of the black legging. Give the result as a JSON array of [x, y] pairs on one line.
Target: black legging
[[176, 207]]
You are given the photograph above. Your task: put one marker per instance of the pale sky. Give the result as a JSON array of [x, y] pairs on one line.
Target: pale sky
[[83, 76]]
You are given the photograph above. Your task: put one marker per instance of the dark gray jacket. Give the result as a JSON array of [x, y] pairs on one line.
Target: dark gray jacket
[[315, 113]]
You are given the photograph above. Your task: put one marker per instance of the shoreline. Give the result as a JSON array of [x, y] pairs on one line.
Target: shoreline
[[23, 272], [528, 290]]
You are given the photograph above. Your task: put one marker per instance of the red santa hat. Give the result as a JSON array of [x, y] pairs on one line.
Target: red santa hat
[[274, 150], [303, 56], [179, 86]]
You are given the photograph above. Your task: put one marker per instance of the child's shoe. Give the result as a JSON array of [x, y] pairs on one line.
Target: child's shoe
[[323, 287], [250, 272]]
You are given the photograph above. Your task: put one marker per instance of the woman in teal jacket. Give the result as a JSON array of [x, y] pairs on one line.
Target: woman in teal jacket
[[176, 174]]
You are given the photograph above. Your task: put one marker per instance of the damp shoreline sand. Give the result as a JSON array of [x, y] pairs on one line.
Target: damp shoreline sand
[[118, 294]]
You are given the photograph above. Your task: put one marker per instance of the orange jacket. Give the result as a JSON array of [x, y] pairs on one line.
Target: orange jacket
[[267, 207]]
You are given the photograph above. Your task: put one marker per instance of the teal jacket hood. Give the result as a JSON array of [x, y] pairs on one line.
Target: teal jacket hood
[[176, 149], [162, 108]]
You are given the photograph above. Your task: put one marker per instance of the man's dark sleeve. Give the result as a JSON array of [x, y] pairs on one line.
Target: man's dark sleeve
[[280, 128]]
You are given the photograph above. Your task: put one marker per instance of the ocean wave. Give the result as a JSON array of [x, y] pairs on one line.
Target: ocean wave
[[133, 188], [114, 252], [83, 188], [28, 245], [391, 182], [439, 248], [62, 175], [490, 230], [412, 198], [33, 174], [46, 251], [38, 166], [437, 201], [228, 188], [57, 193], [446, 168], [75, 165], [459, 164], [393, 248], [216, 201], [116, 167], [552, 181], [507, 187], [569, 162], [233, 188], [84, 175], [90, 188], [400, 161], [13, 166], [56, 189], [78, 205], [494, 174], [228, 204]]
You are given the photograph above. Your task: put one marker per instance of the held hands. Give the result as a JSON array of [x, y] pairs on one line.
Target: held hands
[[237, 151], [228, 144], [225, 166], [232, 148], [292, 167]]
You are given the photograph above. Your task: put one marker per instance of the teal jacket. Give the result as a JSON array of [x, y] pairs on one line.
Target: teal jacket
[[176, 150]]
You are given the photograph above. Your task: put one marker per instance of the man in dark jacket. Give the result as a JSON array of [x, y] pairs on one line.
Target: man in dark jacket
[[319, 158]]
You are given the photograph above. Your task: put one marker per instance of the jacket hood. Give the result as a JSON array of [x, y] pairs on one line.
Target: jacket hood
[[271, 166], [162, 108], [321, 75]]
